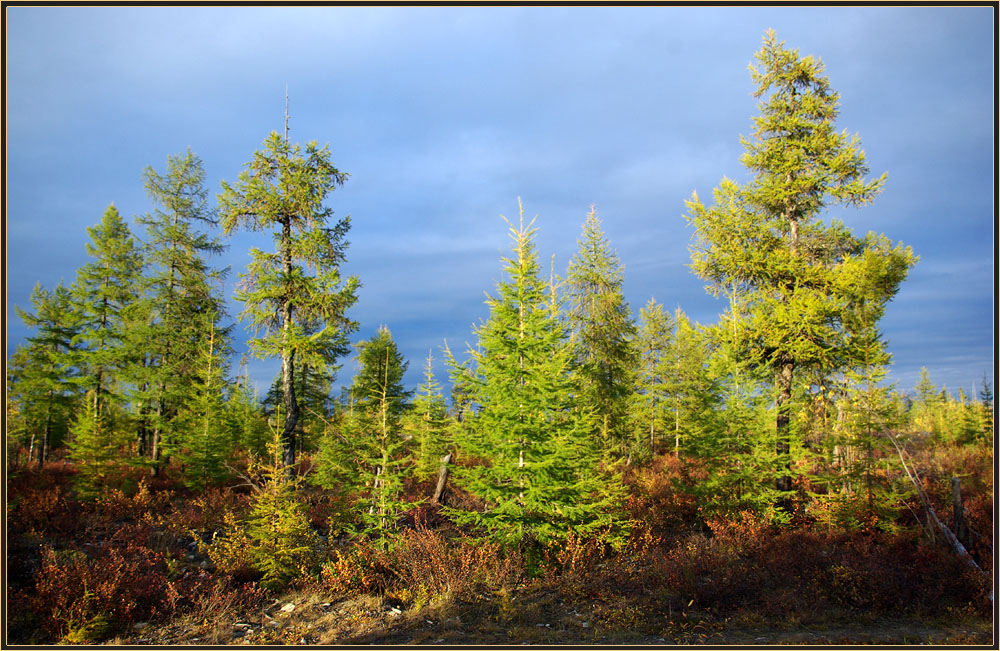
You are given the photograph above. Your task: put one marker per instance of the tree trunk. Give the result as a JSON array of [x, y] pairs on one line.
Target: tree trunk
[[958, 512], [288, 360], [155, 452], [291, 411], [442, 479], [783, 404]]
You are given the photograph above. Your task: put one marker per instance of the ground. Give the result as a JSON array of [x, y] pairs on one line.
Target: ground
[[537, 617]]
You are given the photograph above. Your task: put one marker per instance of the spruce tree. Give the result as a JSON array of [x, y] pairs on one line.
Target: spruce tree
[[926, 404], [537, 465], [43, 384], [246, 421], [313, 388], [736, 441], [429, 425], [278, 524], [367, 454], [603, 331], [986, 402], [765, 239], [687, 383], [294, 297], [103, 291], [380, 400], [648, 403], [206, 443]]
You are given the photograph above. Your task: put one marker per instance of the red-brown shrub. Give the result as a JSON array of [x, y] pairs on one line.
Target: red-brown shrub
[[119, 585]]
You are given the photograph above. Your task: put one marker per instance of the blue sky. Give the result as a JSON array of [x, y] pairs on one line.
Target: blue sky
[[444, 116]]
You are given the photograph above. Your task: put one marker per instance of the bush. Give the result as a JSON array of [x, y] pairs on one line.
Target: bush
[[80, 599]]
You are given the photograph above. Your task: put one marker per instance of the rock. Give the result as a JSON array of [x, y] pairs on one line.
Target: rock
[[287, 608], [138, 626]]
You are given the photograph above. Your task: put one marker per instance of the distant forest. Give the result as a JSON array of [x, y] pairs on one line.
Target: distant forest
[[575, 428]]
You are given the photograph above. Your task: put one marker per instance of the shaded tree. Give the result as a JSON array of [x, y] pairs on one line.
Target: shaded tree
[[602, 330], [42, 377]]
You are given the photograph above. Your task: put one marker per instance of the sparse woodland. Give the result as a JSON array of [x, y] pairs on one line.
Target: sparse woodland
[[594, 473]]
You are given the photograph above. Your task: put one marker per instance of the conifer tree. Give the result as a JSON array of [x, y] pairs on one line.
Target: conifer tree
[[170, 333], [294, 297], [313, 388], [380, 400], [765, 239], [735, 440], [43, 383], [986, 402], [103, 291], [868, 282], [538, 470], [429, 425], [926, 404], [245, 419], [603, 331], [367, 455], [687, 383], [278, 525], [206, 444], [648, 403]]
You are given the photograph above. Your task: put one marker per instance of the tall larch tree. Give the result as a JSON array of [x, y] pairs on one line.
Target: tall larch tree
[[603, 331], [294, 297], [181, 289], [538, 469], [766, 240]]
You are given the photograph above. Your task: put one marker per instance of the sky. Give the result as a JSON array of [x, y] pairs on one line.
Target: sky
[[444, 116]]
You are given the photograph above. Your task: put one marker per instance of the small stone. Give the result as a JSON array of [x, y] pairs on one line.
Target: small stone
[[138, 626], [287, 608], [585, 624]]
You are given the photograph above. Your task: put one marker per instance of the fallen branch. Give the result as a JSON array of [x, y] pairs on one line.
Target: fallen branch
[[953, 541]]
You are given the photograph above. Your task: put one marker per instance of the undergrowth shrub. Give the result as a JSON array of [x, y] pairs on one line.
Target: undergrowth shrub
[[423, 559], [230, 550], [356, 571], [82, 599], [43, 511], [424, 564]]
